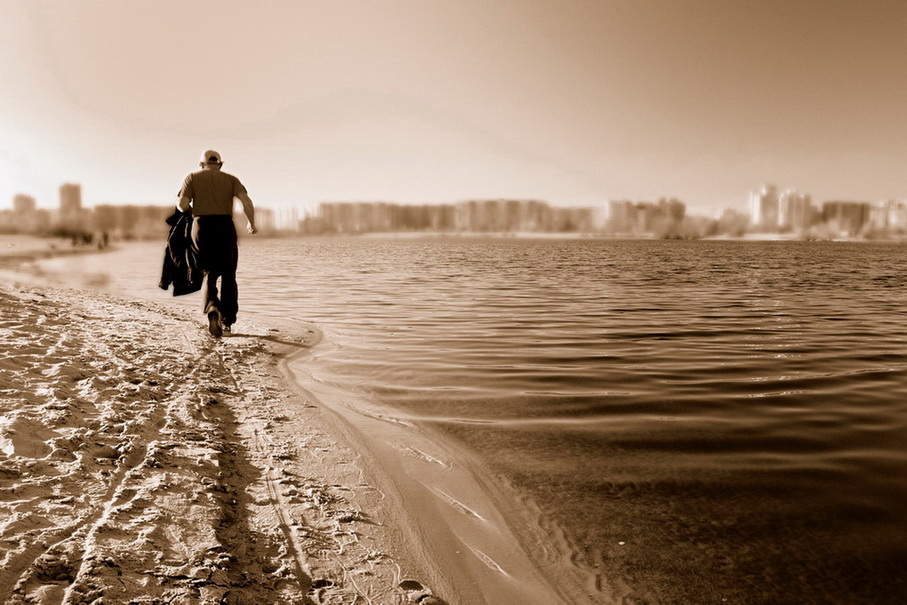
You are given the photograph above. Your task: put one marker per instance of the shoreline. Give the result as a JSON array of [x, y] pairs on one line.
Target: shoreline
[[450, 509], [342, 517]]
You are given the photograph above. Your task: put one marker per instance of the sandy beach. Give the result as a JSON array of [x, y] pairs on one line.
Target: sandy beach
[[142, 461]]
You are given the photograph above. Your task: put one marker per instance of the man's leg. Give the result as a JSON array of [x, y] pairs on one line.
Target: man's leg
[[212, 305], [210, 301], [229, 290], [204, 240], [215, 238], [229, 304]]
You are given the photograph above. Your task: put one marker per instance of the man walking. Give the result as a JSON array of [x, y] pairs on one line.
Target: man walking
[[209, 194]]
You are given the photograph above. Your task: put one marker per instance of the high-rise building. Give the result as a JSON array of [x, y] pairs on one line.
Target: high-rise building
[[897, 216], [23, 204], [621, 216], [70, 199], [764, 207], [25, 217], [889, 215], [846, 218], [794, 210]]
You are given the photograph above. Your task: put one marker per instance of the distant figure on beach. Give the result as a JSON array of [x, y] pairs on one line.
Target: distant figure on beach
[[209, 194]]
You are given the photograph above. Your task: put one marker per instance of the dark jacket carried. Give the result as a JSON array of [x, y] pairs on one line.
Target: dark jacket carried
[[180, 258]]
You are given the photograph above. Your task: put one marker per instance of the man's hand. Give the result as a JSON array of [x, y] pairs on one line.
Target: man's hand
[[251, 228]]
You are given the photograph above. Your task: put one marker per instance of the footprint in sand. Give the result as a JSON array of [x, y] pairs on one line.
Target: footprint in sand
[[417, 593], [24, 436]]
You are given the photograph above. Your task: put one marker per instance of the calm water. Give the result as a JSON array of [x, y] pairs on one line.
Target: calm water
[[707, 422]]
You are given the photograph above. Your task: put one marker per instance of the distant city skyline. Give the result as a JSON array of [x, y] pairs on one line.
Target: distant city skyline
[[69, 197], [771, 211], [571, 102]]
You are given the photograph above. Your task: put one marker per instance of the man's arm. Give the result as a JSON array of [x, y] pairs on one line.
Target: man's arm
[[249, 209], [185, 194]]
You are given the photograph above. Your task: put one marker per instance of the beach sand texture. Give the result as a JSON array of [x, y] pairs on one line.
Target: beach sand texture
[[141, 461]]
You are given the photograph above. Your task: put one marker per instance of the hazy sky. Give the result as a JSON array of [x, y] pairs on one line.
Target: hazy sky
[[569, 101]]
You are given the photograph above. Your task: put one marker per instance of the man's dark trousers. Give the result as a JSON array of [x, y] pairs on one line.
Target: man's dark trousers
[[214, 236]]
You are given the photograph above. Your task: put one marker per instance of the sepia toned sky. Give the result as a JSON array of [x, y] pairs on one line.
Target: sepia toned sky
[[570, 101]]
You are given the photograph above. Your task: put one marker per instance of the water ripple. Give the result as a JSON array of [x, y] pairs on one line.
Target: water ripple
[[710, 421]]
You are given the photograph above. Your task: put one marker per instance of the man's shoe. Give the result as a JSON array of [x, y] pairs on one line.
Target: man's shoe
[[214, 324], [228, 328]]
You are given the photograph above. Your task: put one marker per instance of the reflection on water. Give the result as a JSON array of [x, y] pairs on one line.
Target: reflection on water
[[707, 421]]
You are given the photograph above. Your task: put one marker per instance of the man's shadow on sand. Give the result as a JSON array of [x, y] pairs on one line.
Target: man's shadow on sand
[[236, 530]]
